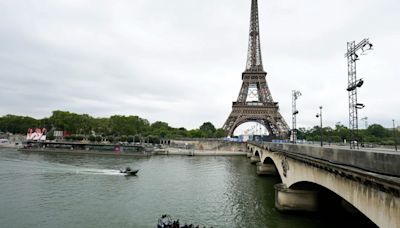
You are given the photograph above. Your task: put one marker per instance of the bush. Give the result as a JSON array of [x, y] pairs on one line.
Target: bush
[[387, 142], [92, 138], [69, 138], [335, 139], [79, 137], [136, 138], [98, 138], [110, 139], [123, 138], [153, 139]]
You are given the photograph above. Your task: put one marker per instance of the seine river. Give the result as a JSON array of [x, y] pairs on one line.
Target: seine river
[[44, 190]]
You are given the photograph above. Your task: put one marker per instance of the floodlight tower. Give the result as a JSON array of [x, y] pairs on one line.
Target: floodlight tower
[[353, 84], [295, 96]]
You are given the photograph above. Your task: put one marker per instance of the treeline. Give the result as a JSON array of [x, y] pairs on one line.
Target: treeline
[[134, 128], [114, 127], [375, 133]]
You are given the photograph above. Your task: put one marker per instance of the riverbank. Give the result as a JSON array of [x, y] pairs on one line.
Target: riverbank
[[193, 152], [169, 151], [192, 148], [87, 152]]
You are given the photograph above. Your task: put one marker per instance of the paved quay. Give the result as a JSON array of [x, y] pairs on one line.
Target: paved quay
[[191, 152]]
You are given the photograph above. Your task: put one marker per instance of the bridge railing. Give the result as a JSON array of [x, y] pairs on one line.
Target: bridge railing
[[380, 162]]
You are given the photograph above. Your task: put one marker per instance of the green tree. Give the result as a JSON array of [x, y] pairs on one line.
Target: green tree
[[378, 131], [18, 124], [219, 133], [207, 130]]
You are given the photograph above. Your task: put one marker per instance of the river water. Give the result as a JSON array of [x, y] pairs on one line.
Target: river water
[[47, 190]]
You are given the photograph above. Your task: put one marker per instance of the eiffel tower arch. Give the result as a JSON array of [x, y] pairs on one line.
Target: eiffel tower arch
[[262, 109]]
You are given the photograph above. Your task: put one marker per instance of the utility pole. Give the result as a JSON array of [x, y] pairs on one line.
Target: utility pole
[[352, 86], [394, 136], [295, 96], [365, 119], [320, 126]]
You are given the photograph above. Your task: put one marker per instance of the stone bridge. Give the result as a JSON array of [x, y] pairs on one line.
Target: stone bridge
[[367, 181]]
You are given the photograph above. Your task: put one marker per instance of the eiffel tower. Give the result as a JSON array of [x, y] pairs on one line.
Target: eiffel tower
[[262, 108]]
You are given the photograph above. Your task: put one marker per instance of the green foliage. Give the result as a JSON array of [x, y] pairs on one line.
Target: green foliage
[[153, 139], [378, 131], [74, 138], [374, 134], [136, 138], [135, 129], [50, 135], [18, 124], [92, 138], [110, 139], [207, 130], [127, 125], [219, 133], [98, 138], [123, 138]]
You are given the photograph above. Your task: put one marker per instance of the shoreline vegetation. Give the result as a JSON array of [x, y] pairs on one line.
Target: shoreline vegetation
[[116, 128], [131, 129]]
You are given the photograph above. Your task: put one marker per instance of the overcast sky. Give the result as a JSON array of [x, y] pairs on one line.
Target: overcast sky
[[180, 61]]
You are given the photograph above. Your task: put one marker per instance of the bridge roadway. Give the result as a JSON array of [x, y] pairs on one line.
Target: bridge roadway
[[367, 181]]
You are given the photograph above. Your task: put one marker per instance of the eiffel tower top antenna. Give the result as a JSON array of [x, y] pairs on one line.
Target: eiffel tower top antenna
[[254, 60]]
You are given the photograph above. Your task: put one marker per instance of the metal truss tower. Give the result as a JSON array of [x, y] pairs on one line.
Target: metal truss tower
[[352, 86], [262, 110]]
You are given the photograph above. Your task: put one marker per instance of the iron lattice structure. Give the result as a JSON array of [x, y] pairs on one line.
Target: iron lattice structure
[[353, 84], [264, 110], [353, 112]]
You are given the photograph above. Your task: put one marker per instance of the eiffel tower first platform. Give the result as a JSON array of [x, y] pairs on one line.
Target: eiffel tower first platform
[[262, 109]]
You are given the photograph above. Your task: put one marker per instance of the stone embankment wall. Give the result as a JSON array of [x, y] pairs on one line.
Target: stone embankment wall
[[208, 145]]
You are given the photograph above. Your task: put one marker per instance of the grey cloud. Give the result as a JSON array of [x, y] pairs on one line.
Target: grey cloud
[[181, 61]]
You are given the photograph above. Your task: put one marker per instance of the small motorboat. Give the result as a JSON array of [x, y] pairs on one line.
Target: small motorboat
[[129, 172]]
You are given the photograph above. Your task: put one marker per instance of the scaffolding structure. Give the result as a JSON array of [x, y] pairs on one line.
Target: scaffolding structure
[[353, 84]]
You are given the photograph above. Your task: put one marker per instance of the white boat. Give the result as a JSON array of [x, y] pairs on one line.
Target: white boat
[[5, 143]]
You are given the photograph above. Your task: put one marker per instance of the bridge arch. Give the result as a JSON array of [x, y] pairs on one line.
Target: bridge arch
[[330, 201], [246, 120], [268, 160]]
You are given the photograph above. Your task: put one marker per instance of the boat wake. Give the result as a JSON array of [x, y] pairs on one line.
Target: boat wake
[[111, 172], [12, 165]]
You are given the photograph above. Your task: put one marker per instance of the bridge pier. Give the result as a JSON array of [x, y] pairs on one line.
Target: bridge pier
[[254, 159], [249, 154], [295, 200], [266, 169]]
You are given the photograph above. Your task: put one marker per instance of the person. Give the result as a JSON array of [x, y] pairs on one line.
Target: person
[[37, 134], [29, 135], [43, 136]]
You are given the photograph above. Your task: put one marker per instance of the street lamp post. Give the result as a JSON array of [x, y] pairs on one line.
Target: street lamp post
[[295, 96], [320, 126], [394, 136]]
